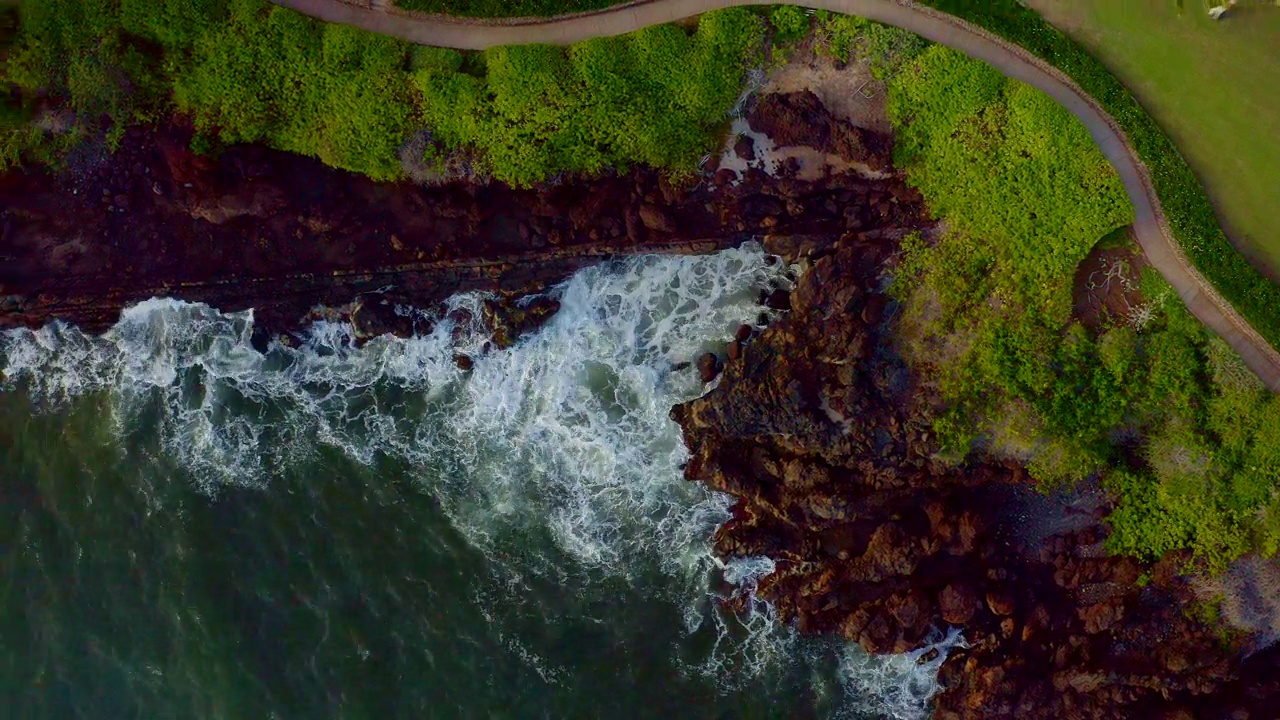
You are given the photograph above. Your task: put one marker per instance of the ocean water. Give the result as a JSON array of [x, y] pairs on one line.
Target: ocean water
[[192, 529]]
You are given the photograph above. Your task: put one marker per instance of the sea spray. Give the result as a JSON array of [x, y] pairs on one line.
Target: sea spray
[[555, 459], [896, 687]]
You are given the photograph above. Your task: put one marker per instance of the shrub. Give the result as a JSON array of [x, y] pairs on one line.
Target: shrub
[[249, 71], [1179, 429], [1191, 216], [657, 96], [790, 23]]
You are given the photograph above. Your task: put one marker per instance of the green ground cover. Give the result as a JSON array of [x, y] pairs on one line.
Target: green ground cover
[[504, 8], [657, 96], [246, 71], [1166, 414], [1169, 416], [1191, 215], [1213, 86]]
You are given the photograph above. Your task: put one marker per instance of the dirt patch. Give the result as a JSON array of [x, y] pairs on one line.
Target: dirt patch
[[848, 90], [1248, 596], [1105, 289]]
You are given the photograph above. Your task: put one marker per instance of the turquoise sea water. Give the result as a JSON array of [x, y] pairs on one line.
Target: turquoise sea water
[[190, 529]]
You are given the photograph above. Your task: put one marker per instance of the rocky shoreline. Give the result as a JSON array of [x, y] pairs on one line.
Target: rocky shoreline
[[258, 228], [816, 425], [817, 428]]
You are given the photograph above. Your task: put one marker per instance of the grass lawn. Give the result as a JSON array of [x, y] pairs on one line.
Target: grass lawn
[[1213, 86]]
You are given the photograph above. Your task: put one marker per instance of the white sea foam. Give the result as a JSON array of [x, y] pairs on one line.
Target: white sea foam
[[896, 687], [562, 442]]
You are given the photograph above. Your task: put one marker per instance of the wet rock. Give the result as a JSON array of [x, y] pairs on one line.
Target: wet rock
[[958, 603], [745, 148], [656, 219], [372, 316], [708, 367], [509, 318], [778, 300]]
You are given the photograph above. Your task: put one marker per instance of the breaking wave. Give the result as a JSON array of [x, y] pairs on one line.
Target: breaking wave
[[560, 446]]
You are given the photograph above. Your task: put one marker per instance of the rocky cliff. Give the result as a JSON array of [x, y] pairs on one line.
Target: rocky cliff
[[252, 227], [817, 428]]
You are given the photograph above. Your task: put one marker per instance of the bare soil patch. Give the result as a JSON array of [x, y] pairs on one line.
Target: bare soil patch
[[1106, 286]]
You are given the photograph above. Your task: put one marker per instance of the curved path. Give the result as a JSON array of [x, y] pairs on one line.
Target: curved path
[[1150, 227]]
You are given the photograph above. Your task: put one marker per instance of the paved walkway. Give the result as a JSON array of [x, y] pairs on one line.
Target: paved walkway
[[1150, 228]]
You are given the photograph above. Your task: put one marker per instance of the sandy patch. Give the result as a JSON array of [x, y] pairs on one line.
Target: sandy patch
[[849, 91]]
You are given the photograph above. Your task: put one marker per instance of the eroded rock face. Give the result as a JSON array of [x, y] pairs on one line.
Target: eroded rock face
[[283, 234], [817, 429], [800, 119]]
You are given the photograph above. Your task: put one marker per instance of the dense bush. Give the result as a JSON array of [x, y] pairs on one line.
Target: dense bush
[[504, 8], [249, 71], [329, 91], [790, 23], [849, 37], [1190, 214], [657, 96], [1174, 422]]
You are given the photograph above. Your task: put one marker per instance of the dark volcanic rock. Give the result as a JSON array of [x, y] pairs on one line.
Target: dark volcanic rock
[[874, 540], [509, 317], [800, 118], [253, 227]]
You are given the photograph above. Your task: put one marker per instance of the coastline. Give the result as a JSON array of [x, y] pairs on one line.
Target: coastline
[[262, 229]]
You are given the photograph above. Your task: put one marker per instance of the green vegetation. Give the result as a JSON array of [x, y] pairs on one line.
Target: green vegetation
[[242, 70], [1170, 417], [1190, 214], [246, 71], [1213, 86], [849, 37], [504, 8], [657, 96]]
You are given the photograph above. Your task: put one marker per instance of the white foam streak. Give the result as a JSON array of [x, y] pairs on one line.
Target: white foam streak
[[563, 438], [897, 687]]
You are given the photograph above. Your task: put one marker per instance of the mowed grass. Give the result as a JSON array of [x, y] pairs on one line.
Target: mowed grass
[[1213, 86]]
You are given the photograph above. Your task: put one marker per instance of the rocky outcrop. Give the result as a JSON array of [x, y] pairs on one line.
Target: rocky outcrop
[[819, 432], [252, 227], [800, 119]]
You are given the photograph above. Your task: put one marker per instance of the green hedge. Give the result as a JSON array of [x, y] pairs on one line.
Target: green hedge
[[504, 8], [1189, 212], [658, 96], [252, 71], [1170, 418]]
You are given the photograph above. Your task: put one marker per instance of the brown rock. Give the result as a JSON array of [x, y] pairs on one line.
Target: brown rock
[[708, 367], [912, 609], [958, 603], [878, 636], [1101, 616], [656, 219], [1000, 602], [873, 309]]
